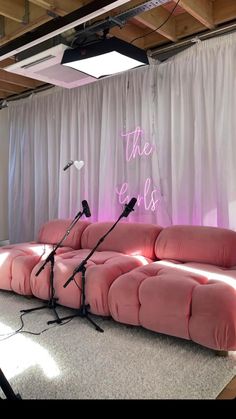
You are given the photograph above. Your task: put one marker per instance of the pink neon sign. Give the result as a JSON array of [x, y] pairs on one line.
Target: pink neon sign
[[148, 198], [134, 148]]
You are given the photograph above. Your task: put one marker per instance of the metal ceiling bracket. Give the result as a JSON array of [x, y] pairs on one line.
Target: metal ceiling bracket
[[52, 14], [25, 19], [2, 26]]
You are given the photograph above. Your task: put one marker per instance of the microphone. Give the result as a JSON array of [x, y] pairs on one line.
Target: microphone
[[129, 207], [76, 163], [86, 209], [68, 165]]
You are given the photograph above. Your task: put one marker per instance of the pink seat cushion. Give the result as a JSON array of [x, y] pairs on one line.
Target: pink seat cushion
[[6, 259], [197, 244], [101, 270], [126, 238], [193, 301], [53, 231]]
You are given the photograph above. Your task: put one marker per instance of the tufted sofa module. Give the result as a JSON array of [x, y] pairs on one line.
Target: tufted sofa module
[[128, 246], [189, 292], [18, 260]]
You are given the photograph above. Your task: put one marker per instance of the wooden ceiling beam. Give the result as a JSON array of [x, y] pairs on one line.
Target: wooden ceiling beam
[[45, 4], [130, 32], [3, 95], [155, 18], [6, 62], [13, 10], [22, 81], [224, 10], [12, 31], [201, 10], [62, 7], [187, 25], [11, 88]]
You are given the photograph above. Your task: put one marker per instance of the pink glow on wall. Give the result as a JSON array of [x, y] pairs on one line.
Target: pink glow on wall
[[134, 148], [148, 197]]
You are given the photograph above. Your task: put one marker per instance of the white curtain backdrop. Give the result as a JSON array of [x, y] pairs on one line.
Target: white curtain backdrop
[[164, 134]]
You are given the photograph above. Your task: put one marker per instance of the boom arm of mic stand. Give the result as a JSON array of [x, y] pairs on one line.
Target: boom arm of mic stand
[[51, 255], [83, 263]]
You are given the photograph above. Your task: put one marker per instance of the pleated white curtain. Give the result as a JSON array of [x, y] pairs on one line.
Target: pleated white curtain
[[164, 134], [197, 133]]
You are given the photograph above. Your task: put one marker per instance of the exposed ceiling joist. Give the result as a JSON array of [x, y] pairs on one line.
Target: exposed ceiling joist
[[155, 18], [11, 88], [8, 61], [45, 4], [128, 33], [19, 80], [187, 25], [225, 13], [13, 10], [3, 94], [201, 10]]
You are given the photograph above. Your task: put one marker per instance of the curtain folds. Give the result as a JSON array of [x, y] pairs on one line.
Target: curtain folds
[[164, 134]]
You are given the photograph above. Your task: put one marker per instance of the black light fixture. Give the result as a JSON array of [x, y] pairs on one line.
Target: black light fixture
[[105, 57]]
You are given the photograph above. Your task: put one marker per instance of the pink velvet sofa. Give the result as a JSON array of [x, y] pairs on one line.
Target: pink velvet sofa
[[179, 280]]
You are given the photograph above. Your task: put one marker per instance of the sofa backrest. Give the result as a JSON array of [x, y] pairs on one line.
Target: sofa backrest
[[53, 231], [213, 245], [127, 238]]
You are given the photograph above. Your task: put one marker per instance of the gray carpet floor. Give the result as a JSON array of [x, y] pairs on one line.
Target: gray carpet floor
[[74, 361]]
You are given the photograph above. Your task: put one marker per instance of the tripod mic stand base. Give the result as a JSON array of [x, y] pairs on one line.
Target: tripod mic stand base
[[81, 312], [51, 304]]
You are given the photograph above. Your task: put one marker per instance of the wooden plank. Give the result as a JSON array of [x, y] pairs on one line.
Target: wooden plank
[[130, 32], [3, 95], [45, 4], [201, 10], [63, 7], [22, 81], [153, 40], [187, 25], [6, 62], [224, 10], [229, 392], [11, 88], [155, 18], [13, 10], [13, 31], [60, 7]]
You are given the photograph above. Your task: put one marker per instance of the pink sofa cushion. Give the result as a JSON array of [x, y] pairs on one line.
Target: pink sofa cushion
[[53, 231], [127, 238], [211, 245]]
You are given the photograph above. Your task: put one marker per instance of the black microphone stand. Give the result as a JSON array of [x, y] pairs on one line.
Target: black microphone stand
[[7, 389], [83, 310], [51, 258]]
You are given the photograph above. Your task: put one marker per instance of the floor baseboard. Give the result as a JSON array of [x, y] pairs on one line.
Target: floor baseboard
[[4, 242]]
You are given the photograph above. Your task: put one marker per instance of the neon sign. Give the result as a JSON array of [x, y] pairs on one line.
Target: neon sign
[[134, 148], [148, 198]]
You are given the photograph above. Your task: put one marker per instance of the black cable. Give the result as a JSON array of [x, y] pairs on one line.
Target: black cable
[[156, 29], [9, 335]]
